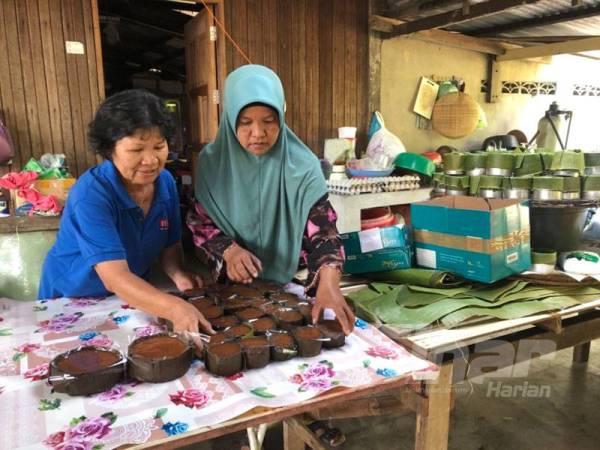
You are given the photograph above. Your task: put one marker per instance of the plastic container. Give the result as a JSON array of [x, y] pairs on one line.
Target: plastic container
[[557, 227], [377, 218]]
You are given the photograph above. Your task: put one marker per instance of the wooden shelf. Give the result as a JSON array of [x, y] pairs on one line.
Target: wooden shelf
[[25, 224]]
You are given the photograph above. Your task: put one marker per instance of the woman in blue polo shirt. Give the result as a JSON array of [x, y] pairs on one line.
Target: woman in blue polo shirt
[[123, 214]]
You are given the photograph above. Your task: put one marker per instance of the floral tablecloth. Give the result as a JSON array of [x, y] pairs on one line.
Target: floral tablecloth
[[32, 333]]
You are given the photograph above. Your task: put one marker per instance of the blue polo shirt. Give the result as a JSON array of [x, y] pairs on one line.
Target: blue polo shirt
[[101, 222]]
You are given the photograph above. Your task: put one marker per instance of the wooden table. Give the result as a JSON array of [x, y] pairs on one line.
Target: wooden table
[[291, 416], [512, 341], [193, 408]]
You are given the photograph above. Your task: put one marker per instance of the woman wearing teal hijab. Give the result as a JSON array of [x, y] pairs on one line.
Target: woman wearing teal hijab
[[262, 199]]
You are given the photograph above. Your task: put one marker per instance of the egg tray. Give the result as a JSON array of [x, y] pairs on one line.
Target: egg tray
[[357, 186]]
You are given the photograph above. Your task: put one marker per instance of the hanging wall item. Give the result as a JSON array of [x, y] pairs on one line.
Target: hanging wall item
[[426, 95], [455, 115]]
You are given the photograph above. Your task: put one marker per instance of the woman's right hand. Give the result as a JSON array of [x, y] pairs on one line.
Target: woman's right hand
[[242, 266], [185, 317]]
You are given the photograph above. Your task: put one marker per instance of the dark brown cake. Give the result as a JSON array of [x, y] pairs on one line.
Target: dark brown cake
[[239, 331], [283, 346], [308, 341], [87, 360], [160, 347], [256, 352], [159, 358], [262, 325], [212, 312], [86, 370], [223, 322], [288, 319], [249, 313], [332, 330], [224, 359], [202, 303]]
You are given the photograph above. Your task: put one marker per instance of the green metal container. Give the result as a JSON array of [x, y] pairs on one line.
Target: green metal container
[[516, 187], [499, 163], [490, 186], [547, 158], [474, 163], [592, 163], [571, 188], [453, 163], [568, 163], [547, 188], [456, 185], [590, 187], [528, 164]]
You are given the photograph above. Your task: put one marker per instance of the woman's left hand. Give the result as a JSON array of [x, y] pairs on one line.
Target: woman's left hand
[[330, 296], [187, 280]]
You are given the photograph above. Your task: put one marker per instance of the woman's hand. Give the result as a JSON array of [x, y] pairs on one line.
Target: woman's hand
[[330, 296], [187, 280], [242, 266], [185, 317]]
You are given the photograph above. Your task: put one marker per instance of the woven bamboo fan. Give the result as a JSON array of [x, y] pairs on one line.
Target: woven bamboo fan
[[455, 115]]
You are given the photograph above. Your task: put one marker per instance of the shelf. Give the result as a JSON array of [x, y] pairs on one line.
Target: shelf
[[348, 207]]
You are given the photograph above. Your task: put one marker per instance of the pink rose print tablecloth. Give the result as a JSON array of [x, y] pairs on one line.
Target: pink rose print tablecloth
[[32, 333]]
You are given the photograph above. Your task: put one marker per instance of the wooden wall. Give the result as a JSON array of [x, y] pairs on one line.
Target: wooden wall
[[47, 96], [319, 48]]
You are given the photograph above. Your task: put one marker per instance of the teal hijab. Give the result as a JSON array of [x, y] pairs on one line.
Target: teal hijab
[[261, 201]]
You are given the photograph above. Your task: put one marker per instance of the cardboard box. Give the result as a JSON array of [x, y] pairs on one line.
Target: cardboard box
[[377, 250], [20, 206], [480, 239], [59, 188]]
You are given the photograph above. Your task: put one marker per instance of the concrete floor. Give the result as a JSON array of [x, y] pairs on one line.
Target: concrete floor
[[566, 419]]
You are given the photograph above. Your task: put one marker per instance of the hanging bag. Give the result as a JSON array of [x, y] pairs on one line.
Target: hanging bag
[[7, 150]]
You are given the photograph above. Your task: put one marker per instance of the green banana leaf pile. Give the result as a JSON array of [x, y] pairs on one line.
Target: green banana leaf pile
[[413, 307]]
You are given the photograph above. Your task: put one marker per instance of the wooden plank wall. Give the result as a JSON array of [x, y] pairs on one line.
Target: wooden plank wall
[[320, 51], [47, 97]]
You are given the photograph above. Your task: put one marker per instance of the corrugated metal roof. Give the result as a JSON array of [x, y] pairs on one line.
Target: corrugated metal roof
[[589, 26]]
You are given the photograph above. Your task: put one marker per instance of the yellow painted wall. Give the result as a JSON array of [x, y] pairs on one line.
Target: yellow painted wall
[[405, 60]]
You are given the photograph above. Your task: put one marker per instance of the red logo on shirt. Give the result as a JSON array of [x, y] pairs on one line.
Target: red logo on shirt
[[164, 224]]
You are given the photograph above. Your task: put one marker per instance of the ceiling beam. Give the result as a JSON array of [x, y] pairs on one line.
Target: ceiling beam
[[172, 4], [551, 19], [457, 16], [414, 8], [580, 45], [537, 39], [460, 41]]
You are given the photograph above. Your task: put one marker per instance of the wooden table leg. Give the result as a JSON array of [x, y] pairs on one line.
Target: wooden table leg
[[581, 352], [296, 434], [433, 413]]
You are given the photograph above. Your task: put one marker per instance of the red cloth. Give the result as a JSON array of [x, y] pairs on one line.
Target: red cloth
[[18, 180], [23, 182]]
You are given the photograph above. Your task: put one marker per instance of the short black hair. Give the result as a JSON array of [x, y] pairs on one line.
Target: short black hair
[[121, 114]]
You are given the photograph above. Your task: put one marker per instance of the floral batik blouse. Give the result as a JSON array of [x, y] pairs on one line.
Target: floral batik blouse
[[321, 244]]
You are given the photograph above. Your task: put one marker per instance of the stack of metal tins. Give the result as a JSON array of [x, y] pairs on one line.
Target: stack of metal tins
[[590, 187], [456, 185], [517, 187], [486, 186], [474, 163], [592, 163], [547, 188], [499, 163]]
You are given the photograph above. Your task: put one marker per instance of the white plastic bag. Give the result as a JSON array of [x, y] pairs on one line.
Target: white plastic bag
[[384, 145]]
